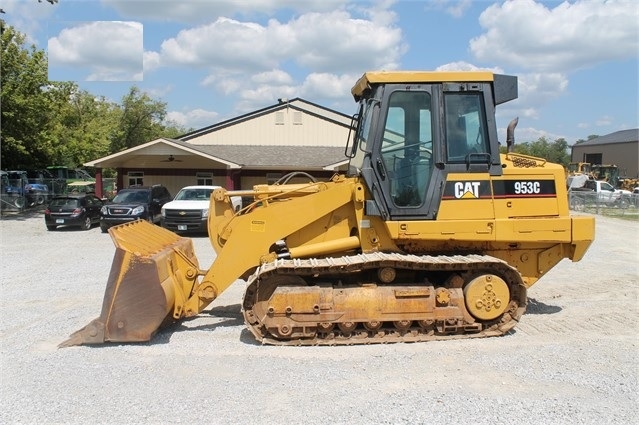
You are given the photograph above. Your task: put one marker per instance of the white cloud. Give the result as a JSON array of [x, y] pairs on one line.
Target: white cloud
[[110, 74], [455, 8], [195, 118], [604, 121], [223, 44], [247, 58], [109, 50], [535, 92], [458, 8], [327, 89], [354, 43], [572, 35], [228, 45], [529, 134], [274, 77], [192, 11], [27, 16], [538, 89], [329, 86], [465, 66], [159, 92], [151, 61], [225, 84]]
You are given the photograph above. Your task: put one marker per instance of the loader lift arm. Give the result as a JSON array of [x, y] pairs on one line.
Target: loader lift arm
[[159, 267]]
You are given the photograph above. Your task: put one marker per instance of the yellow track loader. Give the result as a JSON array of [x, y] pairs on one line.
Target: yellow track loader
[[430, 234]]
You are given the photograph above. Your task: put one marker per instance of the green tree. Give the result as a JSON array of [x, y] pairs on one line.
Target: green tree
[[173, 130], [141, 120], [590, 137], [25, 137], [84, 126], [556, 151]]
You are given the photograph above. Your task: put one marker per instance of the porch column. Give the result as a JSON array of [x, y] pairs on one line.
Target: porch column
[[99, 186], [120, 178], [229, 184], [233, 179]]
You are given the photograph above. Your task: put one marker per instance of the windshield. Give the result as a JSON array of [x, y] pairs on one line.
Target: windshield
[[132, 197], [194, 194]]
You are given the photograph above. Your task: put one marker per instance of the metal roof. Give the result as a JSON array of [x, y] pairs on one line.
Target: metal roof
[[273, 157], [246, 156], [621, 136]]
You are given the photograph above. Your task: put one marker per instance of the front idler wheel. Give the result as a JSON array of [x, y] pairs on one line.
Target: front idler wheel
[[487, 297]]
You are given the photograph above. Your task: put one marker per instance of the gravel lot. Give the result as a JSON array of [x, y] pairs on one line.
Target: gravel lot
[[572, 359]]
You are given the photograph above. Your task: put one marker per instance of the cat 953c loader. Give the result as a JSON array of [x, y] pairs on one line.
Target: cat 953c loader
[[431, 233]]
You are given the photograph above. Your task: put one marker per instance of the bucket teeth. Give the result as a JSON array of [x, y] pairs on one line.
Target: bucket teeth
[[93, 333]]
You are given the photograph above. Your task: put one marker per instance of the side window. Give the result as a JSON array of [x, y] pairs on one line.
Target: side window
[[407, 146], [161, 193], [464, 131], [607, 186], [135, 178], [204, 179]]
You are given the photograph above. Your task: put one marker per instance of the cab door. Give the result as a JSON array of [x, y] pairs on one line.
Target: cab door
[[404, 155]]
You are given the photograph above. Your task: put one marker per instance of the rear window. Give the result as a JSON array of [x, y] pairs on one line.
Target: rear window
[[65, 203]]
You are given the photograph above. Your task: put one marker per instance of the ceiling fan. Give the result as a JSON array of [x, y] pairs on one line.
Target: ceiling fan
[[171, 158]]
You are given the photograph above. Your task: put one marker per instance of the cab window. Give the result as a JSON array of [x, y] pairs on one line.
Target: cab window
[[464, 133]]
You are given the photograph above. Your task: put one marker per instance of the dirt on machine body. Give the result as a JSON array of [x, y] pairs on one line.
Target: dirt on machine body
[[431, 234]]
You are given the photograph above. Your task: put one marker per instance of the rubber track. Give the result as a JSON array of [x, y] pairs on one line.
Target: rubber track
[[347, 264]]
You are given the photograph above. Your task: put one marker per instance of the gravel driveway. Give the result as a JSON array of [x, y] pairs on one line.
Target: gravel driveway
[[572, 359]]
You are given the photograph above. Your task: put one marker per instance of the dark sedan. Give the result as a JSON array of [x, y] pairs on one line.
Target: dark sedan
[[82, 210]]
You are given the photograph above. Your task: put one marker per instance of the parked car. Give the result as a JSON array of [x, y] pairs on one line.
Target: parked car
[[134, 203], [82, 210], [189, 210], [600, 192]]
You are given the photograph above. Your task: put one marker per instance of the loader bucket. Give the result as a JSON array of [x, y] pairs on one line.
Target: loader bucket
[[152, 274]]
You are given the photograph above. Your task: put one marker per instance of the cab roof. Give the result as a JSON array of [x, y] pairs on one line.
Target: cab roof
[[505, 85]]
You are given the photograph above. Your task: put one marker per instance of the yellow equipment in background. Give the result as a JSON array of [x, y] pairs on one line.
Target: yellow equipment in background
[[431, 234]]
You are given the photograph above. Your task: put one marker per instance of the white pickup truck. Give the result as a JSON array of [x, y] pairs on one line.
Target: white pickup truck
[[601, 192], [189, 210]]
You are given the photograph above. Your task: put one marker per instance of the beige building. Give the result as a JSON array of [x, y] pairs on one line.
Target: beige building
[[255, 148], [620, 148]]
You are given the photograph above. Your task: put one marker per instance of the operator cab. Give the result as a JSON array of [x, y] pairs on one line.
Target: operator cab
[[415, 128]]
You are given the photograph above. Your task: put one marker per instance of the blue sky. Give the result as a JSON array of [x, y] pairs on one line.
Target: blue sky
[[211, 60]]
